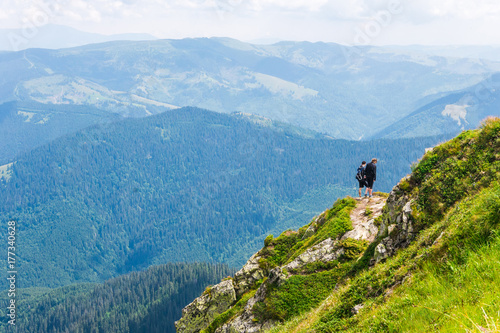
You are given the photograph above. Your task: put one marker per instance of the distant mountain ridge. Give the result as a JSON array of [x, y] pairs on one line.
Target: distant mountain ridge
[[26, 125], [452, 113], [347, 92], [53, 36]]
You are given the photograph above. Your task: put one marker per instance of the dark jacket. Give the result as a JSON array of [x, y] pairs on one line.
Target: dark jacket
[[371, 171]]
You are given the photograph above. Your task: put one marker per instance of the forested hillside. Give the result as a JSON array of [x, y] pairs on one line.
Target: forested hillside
[[148, 302], [26, 125], [186, 185]]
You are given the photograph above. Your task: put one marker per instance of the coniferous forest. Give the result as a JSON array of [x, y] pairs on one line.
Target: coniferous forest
[[147, 302]]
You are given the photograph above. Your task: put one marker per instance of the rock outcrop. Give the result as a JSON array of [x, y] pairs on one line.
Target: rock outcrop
[[222, 297], [324, 252], [219, 298], [246, 277], [246, 322], [397, 224], [200, 313]]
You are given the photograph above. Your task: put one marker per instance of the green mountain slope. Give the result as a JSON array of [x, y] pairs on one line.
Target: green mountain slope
[[147, 301], [425, 261], [452, 112], [186, 185]]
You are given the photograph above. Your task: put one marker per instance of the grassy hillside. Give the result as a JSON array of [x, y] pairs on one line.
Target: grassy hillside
[[433, 265], [447, 279], [186, 185]]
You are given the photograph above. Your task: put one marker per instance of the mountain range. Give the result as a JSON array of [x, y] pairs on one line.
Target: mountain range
[[345, 92], [54, 36], [128, 192], [453, 112]]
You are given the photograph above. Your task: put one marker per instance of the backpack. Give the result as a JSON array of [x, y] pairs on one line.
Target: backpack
[[359, 174]]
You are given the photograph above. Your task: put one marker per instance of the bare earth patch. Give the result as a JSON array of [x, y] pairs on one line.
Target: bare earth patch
[[363, 216]]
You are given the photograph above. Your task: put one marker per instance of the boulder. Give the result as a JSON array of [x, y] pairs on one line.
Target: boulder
[[325, 251]]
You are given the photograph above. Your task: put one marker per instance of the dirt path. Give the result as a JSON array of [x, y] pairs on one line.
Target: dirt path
[[363, 216], [363, 228]]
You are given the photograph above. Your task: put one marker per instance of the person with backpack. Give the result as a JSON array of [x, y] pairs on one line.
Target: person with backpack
[[371, 175], [360, 176]]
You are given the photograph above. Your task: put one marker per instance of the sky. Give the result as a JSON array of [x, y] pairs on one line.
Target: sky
[[350, 22]]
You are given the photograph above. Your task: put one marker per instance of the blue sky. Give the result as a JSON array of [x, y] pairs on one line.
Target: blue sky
[[353, 22]]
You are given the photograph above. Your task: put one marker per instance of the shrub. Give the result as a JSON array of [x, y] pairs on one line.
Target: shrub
[[268, 240]]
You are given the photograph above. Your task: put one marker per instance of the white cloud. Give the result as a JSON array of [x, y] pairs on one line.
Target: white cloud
[[427, 10], [422, 21], [310, 5]]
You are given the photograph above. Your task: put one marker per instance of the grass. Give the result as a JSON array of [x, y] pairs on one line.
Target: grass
[[298, 294], [450, 275], [447, 279], [368, 212], [337, 222], [303, 322], [290, 244], [456, 288]]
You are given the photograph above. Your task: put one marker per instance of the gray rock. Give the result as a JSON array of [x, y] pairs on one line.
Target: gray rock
[[318, 221], [397, 229], [325, 251], [363, 231], [355, 310], [198, 314], [246, 322], [246, 277], [380, 253]]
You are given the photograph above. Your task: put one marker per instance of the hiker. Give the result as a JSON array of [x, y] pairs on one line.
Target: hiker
[[360, 176], [371, 175]]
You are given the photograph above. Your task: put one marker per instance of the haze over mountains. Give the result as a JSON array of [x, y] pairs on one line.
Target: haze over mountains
[[53, 36], [453, 111], [346, 92]]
